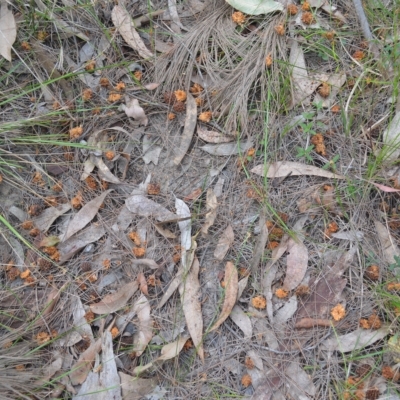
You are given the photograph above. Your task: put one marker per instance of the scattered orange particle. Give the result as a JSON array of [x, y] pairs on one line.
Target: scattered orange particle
[[180, 95], [20, 367], [114, 332], [153, 189], [188, 344], [251, 152], [372, 272], [281, 293], [196, 89], [280, 29], [171, 116], [53, 253], [249, 363], [392, 286], [259, 302], [13, 273], [305, 6], [90, 65], [238, 18], [253, 194], [338, 312], [34, 210], [275, 234], [56, 105], [7, 345], [246, 380], [42, 337], [388, 372], [87, 94], [58, 187], [42, 35], [307, 18], [272, 245], [120, 86], [69, 156], [324, 90], [330, 35], [92, 278], [89, 316], [358, 55], [176, 257], [25, 274], [109, 155], [303, 290], [26, 46], [199, 101], [37, 178], [332, 228], [104, 185], [104, 82], [34, 232], [91, 182], [106, 264], [151, 280], [364, 323], [292, 9], [74, 133], [139, 251], [374, 321], [113, 97], [138, 75], [134, 236], [335, 109], [76, 201], [268, 60], [29, 280], [179, 106], [51, 201], [169, 98], [318, 141], [27, 225], [205, 116]]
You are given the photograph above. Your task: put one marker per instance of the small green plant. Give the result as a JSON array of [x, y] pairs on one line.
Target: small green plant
[[332, 163], [308, 128], [305, 153]]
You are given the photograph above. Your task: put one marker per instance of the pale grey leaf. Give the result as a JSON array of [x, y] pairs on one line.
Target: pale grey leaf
[[224, 243], [227, 149], [44, 221], [242, 320], [145, 207], [134, 388]]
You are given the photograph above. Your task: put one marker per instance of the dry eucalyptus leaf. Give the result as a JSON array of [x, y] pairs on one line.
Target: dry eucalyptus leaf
[[123, 22], [171, 288], [133, 110], [8, 30], [188, 130], [44, 221], [185, 226], [211, 205], [231, 290], [115, 301], [287, 311], [213, 136], [140, 204], [299, 382], [85, 215], [297, 261], [256, 7], [103, 171], [355, 340], [334, 12], [145, 325], [189, 291], [242, 320], [391, 140], [224, 243], [164, 231], [388, 243], [227, 149], [134, 388], [284, 168]]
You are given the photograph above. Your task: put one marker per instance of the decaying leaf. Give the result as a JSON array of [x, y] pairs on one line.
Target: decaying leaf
[[115, 301], [242, 320], [189, 291], [8, 30], [299, 382], [391, 140], [211, 205], [85, 215], [213, 136], [142, 283], [185, 226], [297, 261], [389, 246], [140, 204], [170, 350], [188, 130], [145, 326], [287, 311], [134, 388], [256, 7], [231, 290], [104, 172], [355, 340], [44, 221], [224, 243], [164, 231], [227, 149], [284, 168], [123, 22], [133, 110]]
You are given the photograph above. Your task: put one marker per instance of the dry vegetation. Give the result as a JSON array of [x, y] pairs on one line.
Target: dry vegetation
[[198, 202]]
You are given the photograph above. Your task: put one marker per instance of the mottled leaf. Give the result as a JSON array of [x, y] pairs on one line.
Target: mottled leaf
[[224, 243], [145, 326]]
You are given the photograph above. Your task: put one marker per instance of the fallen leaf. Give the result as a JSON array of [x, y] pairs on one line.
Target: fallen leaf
[[391, 140], [170, 350], [287, 311], [164, 231], [299, 382], [104, 172], [188, 130], [182, 210], [115, 301], [134, 388], [85, 215], [213, 137], [242, 320], [385, 188], [328, 200], [145, 326], [133, 110], [49, 241], [355, 340], [71, 246], [256, 7], [189, 291], [227, 149], [142, 283], [145, 207], [193, 195], [334, 12], [354, 236], [211, 206], [309, 323], [388, 243], [284, 168], [296, 261], [123, 22], [151, 151], [82, 367], [335, 82], [171, 288], [44, 221], [231, 290], [8, 30], [224, 243]]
